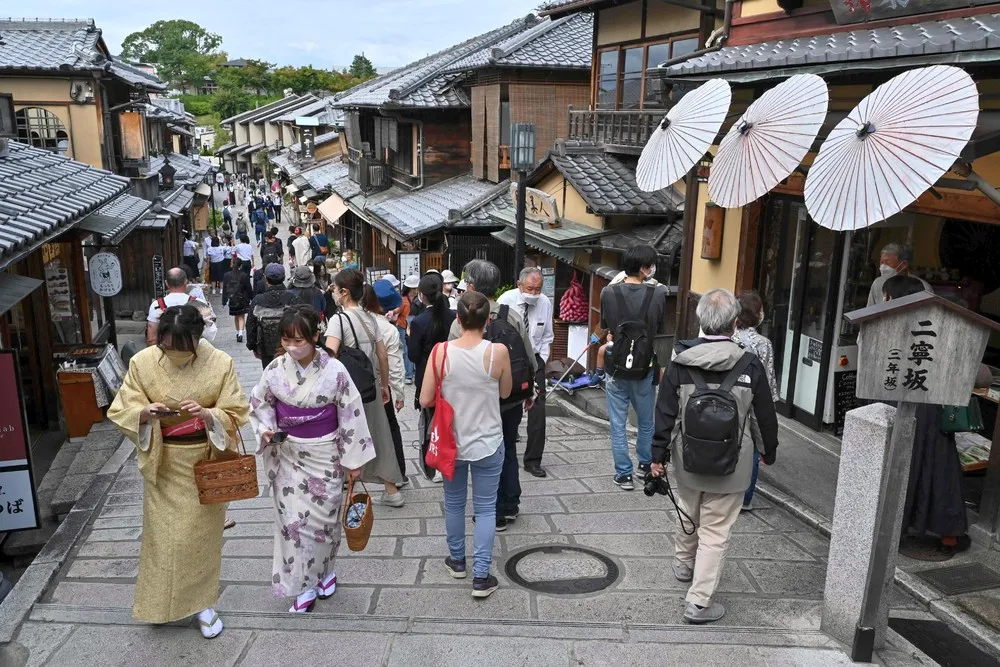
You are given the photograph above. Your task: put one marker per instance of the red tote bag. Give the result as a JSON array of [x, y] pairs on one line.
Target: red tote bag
[[443, 450]]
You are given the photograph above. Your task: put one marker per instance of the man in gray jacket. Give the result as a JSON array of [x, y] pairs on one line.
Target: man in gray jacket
[[712, 501]]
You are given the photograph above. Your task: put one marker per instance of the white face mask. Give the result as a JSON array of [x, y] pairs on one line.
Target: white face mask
[[886, 271], [530, 299], [299, 352], [652, 272]]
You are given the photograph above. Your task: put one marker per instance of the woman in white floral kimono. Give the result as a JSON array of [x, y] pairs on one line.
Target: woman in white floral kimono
[[307, 395]]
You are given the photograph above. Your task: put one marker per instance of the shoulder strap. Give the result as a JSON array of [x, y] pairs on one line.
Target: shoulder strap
[[620, 300], [368, 332], [736, 372], [697, 378], [354, 333], [161, 304], [647, 300], [502, 314], [439, 379]]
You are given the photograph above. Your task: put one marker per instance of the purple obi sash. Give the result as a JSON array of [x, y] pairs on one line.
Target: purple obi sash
[[307, 422]]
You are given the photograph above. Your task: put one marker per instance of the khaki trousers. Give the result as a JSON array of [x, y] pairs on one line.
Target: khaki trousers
[[714, 514]]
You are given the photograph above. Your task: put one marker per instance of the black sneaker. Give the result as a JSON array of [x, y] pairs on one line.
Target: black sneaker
[[501, 524], [456, 568], [239, 338], [625, 482], [644, 469], [483, 587], [511, 515]]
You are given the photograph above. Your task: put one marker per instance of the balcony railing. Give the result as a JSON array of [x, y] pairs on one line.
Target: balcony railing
[[370, 174], [625, 131]]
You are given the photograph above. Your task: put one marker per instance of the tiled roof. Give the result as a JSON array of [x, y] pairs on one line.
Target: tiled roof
[[248, 149], [331, 117], [117, 218], [565, 43], [310, 109], [559, 6], [40, 45], [671, 235], [950, 36], [321, 140], [495, 209], [261, 110], [169, 108], [325, 174], [178, 201], [346, 188], [188, 171], [425, 210], [281, 159], [275, 115], [41, 193], [609, 188], [225, 148], [424, 83]]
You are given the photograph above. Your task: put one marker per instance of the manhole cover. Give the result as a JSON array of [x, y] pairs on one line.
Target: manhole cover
[[560, 569], [961, 578]]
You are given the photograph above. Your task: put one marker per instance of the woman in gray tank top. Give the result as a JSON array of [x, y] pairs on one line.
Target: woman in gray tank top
[[476, 374]]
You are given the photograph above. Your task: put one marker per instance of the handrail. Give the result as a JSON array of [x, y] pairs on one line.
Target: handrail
[[630, 128]]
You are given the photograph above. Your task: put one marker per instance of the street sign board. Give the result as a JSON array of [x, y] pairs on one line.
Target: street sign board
[[18, 502], [105, 274]]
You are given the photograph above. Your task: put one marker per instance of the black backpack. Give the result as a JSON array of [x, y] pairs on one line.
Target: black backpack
[[711, 432], [234, 290], [499, 330], [357, 363], [632, 349]]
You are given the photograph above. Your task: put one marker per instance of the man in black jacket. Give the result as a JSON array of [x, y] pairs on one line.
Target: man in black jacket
[[712, 501], [266, 309]]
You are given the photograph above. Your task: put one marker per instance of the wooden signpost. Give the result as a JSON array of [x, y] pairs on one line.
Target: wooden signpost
[[919, 349]]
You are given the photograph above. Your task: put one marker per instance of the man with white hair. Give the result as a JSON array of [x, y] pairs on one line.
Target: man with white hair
[[894, 260], [707, 397]]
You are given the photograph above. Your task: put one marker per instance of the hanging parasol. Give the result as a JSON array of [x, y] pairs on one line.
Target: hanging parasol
[[894, 145], [684, 136], [768, 141]]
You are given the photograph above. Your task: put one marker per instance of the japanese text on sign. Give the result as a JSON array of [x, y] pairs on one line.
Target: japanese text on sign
[[920, 352]]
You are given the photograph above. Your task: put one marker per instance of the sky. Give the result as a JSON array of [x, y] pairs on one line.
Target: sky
[[321, 33]]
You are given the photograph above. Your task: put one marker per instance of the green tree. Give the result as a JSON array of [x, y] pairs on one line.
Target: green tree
[[362, 68], [255, 76], [231, 101], [222, 137], [183, 52]]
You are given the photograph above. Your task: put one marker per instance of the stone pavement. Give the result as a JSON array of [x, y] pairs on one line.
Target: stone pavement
[[396, 605]]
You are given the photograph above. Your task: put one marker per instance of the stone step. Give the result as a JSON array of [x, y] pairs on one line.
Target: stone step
[[92, 454], [319, 621]]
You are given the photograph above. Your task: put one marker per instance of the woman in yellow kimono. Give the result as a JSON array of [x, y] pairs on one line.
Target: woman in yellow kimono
[[179, 399]]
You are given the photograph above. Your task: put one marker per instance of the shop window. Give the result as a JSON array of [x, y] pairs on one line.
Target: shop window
[[61, 294], [402, 159], [42, 129], [621, 78]]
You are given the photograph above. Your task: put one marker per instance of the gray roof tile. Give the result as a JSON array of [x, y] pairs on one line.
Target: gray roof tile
[[973, 33], [117, 218], [178, 201], [325, 174], [609, 188], [246, 116], [422, 211], [565, 43], [39, 45], [425, 83], [41, 193], [310, 109]]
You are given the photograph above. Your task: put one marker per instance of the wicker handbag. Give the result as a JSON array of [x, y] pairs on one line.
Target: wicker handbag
[[357, 535], [227, 479]]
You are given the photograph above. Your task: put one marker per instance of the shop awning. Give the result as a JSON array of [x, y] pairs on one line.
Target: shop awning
[[153, 221], [13, 288], [117, 218], [332, 208], [509, 236]]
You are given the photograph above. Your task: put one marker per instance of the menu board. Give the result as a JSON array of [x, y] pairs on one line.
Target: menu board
[[18, 504], [844, 397]]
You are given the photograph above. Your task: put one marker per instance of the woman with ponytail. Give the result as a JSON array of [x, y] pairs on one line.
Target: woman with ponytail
[[353, 326]]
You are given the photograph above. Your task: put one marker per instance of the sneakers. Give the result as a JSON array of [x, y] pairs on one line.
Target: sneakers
[[511, 515], [625, 482], [501, 524], [408, 381], [239, 338], [747, 507], [456, 568], [483, 587], [682, 572], [644, 469], [438, 478], [696, 615], [392, 499]]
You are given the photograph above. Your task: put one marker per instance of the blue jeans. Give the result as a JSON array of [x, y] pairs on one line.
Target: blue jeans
[[748, 496], [408, 366], [641, 395], [485, 479], [509, 494]]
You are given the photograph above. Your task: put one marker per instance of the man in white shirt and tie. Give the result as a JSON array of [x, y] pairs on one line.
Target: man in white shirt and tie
[[536, 311]]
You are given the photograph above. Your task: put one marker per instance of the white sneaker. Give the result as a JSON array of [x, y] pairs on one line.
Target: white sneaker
[[392, 499], [438, 478], [210, 624]]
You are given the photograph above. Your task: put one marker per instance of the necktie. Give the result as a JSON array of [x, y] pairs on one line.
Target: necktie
[[527, 324]]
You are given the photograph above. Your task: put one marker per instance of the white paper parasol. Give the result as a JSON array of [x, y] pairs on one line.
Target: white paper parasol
[[684, 136], [769, 141], [893, 146]]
